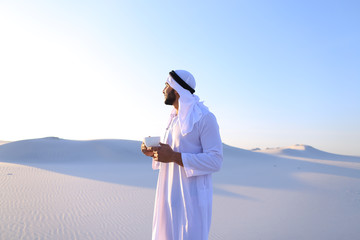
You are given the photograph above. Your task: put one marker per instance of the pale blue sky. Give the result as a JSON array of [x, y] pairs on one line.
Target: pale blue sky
[[275, 73]]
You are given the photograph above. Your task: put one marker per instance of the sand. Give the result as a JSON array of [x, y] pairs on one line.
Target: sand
[[53, 188]]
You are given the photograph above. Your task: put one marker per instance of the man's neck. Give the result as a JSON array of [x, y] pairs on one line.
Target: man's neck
[[176, 106]]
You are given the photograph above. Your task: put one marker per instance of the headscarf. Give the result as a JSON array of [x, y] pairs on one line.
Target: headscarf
[[190, 108]]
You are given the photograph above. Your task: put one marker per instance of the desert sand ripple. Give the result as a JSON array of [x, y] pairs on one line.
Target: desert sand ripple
[[40, 204]]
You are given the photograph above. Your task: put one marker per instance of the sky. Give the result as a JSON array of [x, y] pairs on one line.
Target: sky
[[275, 73]]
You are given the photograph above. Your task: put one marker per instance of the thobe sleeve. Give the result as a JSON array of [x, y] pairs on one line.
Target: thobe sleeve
[[210, 160]]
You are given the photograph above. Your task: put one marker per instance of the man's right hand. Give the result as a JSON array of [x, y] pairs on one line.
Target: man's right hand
[[148, 151]]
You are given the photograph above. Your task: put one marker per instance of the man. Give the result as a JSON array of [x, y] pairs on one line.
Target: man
[[193, 151]]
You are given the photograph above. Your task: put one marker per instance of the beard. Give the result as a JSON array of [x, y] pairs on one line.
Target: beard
[[170, 98]]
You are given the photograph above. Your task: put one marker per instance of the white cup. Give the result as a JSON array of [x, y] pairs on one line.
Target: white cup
[[152, 141]]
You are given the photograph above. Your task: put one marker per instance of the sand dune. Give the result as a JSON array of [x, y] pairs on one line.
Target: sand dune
[[38, 204], [302, 150], [56, 150], [53, 188]]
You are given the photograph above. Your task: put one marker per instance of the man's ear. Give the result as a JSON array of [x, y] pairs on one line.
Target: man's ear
[[176, 93]]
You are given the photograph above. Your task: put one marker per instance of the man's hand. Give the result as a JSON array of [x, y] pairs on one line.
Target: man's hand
[[148, 151], [165, 154]]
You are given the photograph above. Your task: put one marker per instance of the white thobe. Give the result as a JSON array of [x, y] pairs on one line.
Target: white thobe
[[183, 202]]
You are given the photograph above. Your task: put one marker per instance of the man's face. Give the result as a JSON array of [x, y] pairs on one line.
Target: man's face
[[169, 94]]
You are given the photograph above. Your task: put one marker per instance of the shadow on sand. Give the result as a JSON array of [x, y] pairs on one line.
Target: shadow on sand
[[121, 162]]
